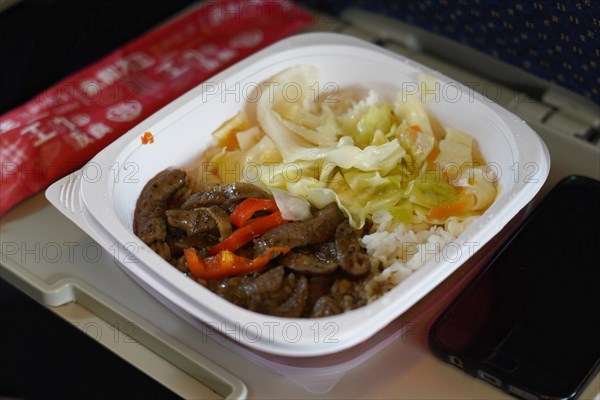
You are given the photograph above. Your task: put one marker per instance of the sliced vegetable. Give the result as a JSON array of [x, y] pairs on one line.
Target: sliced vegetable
[[248, 138], [226, 263], [480, 184], [318, 129], [223, 261], [413, 130], [147, 138], [403, 212], [408, 107], [453, 208], [247, 208], [377, 118], [194, 262], [225, 134], [455, 152], [293, 208], [246, 233], [322, 149], [287, 141], [430, 190]]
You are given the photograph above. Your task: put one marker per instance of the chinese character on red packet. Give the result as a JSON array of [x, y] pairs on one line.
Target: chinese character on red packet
[[65, 126]]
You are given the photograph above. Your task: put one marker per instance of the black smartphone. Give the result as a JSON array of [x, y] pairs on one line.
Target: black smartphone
[[528, 323]]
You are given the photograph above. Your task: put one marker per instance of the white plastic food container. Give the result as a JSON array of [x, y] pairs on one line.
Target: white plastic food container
[[112, 181]]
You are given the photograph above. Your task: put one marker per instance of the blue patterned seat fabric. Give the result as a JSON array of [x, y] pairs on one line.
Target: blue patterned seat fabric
[[558, 41]]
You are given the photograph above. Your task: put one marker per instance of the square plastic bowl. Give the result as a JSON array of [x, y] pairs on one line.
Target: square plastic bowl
[[112, 181]]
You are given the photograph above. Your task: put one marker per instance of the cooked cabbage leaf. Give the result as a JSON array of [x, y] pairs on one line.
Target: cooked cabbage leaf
[[368, 156]]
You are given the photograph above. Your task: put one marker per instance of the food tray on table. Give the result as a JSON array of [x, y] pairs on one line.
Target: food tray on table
[[71, 266], [94, 199], [108, 194]]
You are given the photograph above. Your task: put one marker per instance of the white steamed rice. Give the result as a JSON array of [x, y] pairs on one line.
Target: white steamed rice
[[401, 249]]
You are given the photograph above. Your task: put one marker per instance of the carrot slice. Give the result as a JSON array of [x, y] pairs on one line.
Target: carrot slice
[[445, 210]]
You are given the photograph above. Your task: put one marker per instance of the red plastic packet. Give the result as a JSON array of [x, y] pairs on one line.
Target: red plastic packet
[[65, 126]]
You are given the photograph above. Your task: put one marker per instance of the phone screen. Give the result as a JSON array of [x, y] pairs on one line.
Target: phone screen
[[528, 323]]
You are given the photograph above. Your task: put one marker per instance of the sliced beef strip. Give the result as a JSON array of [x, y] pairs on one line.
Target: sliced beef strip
[[149, 221], [224, 195], [270, 280], [255, 292], [296, 234], [201, 220], [318, 286], [349, 253], [325, 306], [319, 259], [322, 244], [263, 285], [294, 305], [221, 217], [234, 289], [198, 241]]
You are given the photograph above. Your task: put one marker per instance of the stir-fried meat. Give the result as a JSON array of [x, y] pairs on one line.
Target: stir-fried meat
[[322, 274], [257, 290], [191, 221], [318, 286], [199, 241], [349, 254], [295, 303], [313, 260], [200, 220], [325, 306], [149, 222], [269, 292], [224, 195], [270, 280], [295, 234]]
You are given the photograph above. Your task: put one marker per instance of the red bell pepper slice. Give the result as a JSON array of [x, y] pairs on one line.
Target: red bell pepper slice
[[226, 263], [246, 233], [247, 208], [222, 260]]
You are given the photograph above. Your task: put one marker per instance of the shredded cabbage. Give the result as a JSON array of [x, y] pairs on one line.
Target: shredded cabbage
[[371, 156]]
